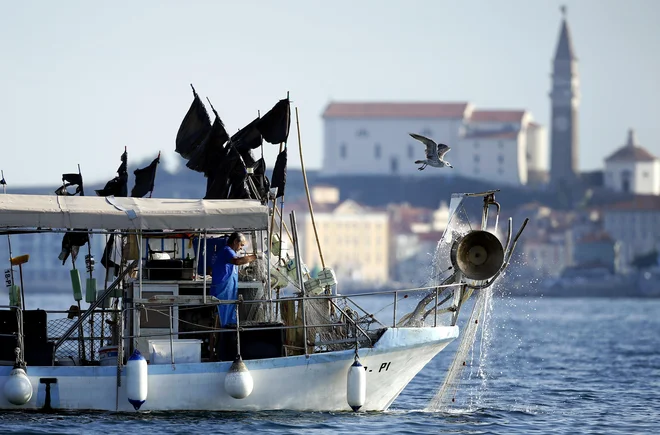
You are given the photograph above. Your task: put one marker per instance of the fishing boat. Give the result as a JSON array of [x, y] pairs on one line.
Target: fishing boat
[[148, 341], [150, 338]]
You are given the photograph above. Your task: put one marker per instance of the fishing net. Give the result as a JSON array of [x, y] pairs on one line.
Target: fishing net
[[446, 395]]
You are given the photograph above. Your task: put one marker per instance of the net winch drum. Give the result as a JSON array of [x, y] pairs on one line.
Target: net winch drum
[[478, 255]]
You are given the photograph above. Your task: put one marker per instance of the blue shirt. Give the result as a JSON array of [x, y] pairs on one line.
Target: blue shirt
[[223, 269]]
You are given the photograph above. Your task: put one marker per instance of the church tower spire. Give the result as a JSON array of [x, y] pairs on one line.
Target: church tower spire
[[565, 100]]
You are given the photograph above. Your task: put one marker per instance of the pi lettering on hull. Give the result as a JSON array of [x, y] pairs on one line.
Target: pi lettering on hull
[[383, 367]]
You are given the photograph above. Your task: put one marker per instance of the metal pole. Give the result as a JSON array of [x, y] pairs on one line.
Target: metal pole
[[296, 248], [171, 336], [205, 261], [394, 311], [435, 309], [238, 331], [136, 312]]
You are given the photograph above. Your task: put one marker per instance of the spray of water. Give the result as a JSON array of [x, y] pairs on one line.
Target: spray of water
[[445, 397]]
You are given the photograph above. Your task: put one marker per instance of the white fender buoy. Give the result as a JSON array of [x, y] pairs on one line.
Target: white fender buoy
[[356, 385], [18, 388], [238, 380], [136, 379]]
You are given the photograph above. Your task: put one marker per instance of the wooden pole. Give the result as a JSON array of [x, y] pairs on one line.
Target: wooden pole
[[4, 192], [309, 200], [272, 218]]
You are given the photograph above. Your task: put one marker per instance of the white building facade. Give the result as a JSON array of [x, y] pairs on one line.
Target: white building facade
[[373, 139], [633, 169]]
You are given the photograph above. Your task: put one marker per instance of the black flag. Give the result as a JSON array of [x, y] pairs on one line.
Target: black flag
[[106, 258], [71, 180], [274, 125], [118, 186], [72, 241], [195, 126], [210, 152], [145, 178], [260, 180], [247, 138], [278, 178]]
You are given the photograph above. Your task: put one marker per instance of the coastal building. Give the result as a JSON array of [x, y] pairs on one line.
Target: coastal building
[[635, 224], [632, 169], [372, 139], [565, 102], [354, 239]]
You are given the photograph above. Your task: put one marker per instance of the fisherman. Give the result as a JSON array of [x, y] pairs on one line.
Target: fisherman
[[224, 272]]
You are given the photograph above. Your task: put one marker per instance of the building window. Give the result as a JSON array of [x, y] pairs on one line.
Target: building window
[[476, 158], [377, 151], [411, 151], [362, 133], [394, 165], [625, 181], [500, 158], [343, 151]]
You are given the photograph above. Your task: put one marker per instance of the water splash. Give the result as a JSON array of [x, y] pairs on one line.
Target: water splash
[[445, 397]]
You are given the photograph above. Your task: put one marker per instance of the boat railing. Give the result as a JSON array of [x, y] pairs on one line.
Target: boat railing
[[95, 304], [19, 347], [352, 323]]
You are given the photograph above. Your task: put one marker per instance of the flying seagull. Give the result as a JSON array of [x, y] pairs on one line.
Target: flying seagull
[[434, 153]]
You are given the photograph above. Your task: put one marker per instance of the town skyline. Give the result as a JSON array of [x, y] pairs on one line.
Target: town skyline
[[93, 80]]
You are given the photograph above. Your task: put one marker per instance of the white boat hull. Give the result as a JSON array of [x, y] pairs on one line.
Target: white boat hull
[[314, 383]]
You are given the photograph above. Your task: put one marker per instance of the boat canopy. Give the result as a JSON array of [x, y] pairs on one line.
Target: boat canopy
[[95, 212]]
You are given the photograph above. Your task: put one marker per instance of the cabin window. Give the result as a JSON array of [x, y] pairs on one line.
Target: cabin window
[[377, 151], [343, 151]]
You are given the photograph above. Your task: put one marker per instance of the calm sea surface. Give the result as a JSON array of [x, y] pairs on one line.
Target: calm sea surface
[[542, 365]]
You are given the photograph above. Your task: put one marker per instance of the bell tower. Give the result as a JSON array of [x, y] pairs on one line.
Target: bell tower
[[565, 99]]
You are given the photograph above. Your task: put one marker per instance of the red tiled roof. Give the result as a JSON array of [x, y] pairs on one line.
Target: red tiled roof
[[431, 236], [596, 237], [629, 153], [639, 203], [395, 110], [492, 135], [497, 116]]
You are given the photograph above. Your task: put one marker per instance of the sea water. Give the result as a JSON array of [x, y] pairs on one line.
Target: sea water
[[547, 365]]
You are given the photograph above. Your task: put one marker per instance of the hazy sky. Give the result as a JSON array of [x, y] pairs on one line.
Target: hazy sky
[[79, 80]]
